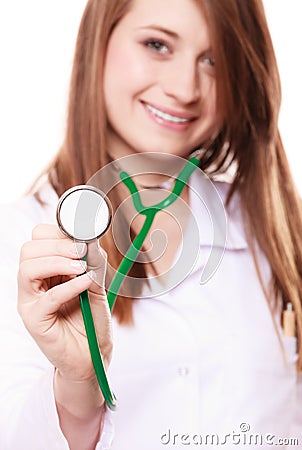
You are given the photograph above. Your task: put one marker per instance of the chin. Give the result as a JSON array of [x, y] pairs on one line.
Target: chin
[[169, 149]]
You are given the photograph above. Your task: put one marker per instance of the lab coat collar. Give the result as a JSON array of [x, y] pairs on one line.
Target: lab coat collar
[[207, 201], [205, 197], [210, 231]]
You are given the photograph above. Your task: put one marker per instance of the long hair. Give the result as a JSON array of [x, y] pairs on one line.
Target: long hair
[[248, 96]]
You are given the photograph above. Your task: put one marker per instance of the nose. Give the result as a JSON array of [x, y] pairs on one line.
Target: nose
[[181, 81]]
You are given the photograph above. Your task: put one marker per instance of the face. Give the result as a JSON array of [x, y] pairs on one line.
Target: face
[[159, 80]]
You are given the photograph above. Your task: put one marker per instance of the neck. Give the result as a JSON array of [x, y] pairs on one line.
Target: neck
[[152, 170]]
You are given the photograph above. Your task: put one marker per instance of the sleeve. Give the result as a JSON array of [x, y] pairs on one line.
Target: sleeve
[[28, 415]]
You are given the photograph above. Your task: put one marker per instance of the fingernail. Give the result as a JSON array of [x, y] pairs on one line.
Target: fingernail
[[79, 265], [80, 248]]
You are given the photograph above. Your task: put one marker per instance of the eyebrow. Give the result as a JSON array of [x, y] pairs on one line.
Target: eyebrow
[[162, 29]]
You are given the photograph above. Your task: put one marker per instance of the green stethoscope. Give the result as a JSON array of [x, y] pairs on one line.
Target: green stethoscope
[[72, 216]]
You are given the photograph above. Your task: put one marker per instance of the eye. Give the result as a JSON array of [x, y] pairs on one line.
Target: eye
[[157, 45], [209, 60]]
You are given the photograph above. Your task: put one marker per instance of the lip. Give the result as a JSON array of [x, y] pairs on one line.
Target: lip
[[178, 114], [175, 126]]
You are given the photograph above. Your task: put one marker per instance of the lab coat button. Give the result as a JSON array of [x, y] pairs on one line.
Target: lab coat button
[[183, 371]]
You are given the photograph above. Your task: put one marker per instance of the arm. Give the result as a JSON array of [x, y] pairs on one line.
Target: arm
[[50, 279], [36, 408], [81, 409]]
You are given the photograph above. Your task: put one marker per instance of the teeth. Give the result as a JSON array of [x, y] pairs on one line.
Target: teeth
[[165, 116]]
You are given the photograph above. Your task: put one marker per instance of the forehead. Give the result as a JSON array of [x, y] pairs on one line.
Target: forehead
[[184, 17]]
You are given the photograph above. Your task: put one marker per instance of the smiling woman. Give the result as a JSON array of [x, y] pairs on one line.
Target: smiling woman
[[157, 87], [174, 108], [22, 101]]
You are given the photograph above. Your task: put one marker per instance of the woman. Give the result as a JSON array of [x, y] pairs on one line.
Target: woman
[[199, 360]]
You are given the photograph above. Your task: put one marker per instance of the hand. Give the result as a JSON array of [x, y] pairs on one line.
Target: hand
[[48, 289]]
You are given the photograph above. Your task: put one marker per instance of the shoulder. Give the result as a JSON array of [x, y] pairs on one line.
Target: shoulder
[[21, 216]]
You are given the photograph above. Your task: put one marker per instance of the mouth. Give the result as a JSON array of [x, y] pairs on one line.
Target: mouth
[[169, 116]]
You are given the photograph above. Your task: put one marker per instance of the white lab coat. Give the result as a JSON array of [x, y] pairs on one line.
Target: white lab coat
[[201, 359]]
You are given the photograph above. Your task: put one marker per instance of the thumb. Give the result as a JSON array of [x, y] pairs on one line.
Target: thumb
[[96, 259]]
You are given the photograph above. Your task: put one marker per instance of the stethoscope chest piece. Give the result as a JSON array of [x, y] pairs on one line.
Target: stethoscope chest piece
[[83, 213]]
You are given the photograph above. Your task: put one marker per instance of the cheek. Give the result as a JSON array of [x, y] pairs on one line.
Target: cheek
[[126, 71], [209, 99]]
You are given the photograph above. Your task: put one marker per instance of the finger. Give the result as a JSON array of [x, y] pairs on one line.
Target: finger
[[39, 269], [57, 296], [96, 256], [47, 231], [52, 247], [97, 261]]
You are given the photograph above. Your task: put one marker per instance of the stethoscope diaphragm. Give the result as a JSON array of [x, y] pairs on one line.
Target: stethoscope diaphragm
[[84, 213]]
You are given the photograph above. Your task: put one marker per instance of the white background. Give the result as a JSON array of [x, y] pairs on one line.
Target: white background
[[36, 48]]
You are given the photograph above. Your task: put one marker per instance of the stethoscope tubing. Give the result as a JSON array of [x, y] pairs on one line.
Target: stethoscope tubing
[[95, 353], [150, 213], [124, 268]]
